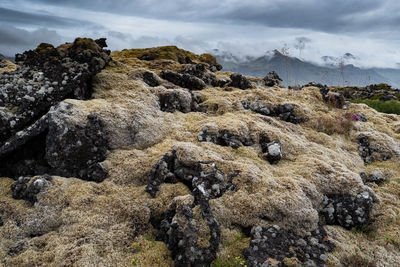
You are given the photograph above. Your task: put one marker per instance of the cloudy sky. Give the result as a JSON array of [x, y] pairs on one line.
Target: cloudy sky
[[369, 29]]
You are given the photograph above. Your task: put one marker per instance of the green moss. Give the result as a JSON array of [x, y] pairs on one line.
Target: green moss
[[167, 53], [390, 107], [43, 47]]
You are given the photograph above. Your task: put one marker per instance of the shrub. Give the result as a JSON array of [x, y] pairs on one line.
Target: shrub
[[342, 123], [391, 107]]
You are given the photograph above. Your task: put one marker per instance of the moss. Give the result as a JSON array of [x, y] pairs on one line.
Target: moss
[[43, 47], [165, 53], [390, 107]]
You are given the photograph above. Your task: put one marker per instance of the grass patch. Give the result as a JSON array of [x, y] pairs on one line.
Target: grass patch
[[390, 107]]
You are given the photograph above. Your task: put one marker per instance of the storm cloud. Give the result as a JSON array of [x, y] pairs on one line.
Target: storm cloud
[[366, 28]]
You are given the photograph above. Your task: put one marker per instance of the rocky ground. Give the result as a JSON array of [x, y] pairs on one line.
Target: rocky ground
[[154, 157]]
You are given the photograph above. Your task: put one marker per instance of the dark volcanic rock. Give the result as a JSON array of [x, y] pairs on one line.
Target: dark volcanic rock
[[273, 152], [224, 138], [178, 229], [151, 79], [183, 80], [270, 246], [177, 99], [45, 77], [58, 144], [370, 152], [284, 111], [27, 188], [376, 177], [199, 70], [240, 81], [347, 211], [273, 79]]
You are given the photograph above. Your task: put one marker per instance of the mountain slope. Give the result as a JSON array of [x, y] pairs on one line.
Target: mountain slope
[[294, 71]]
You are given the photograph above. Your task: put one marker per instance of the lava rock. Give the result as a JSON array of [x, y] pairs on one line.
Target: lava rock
[[376, 177], [222, 82], [178, 228], [169, 169], [75, 150], [364, 149], [240, 81], [58, 144], [224, 138], [184, 80], [27, 188], [180, 100], [273, 79], [270, 246], [284, 111], [258, 107], [151, 79], [179, 231], [346, 210], [200, 71], [273, 152], [46, 76]]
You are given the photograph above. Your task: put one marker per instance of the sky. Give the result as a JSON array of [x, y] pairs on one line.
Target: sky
[[309, 29]]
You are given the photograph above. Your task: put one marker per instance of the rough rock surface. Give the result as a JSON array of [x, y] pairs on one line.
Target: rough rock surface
[[347, 211], [284, 111], [178, 228], [204, 198], [184, 80], [240, 81], [274, 246], [273, 79], [223, 138], [27, 188]]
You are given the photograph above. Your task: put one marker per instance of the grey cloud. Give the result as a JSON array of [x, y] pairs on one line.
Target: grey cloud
[[15, 17], [327, 16], [14, 40]]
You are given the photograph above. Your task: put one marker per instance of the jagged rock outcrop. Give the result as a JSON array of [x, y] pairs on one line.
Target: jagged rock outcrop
[[284, 111], [31, 139], [348, 211], [273, 79], [178, 228], [274, 246], [27, 188], [240, 81]]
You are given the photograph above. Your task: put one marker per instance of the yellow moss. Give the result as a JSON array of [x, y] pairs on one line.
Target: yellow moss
[[43, 47]]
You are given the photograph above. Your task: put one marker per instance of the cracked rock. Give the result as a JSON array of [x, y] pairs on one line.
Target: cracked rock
[[273, 79], [273, 152], [178, 228], [27, 188], [151, 79], [347, 211], [240, 81], [284, 111], [223, 138], [271, 246], [185, 80]]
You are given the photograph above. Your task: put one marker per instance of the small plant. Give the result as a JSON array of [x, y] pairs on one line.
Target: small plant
[[237, 261], [136, 247], [387, 239], [341, 124], [133, 261]]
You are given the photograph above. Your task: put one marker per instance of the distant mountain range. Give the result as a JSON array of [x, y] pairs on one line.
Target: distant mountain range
[[295, 71]]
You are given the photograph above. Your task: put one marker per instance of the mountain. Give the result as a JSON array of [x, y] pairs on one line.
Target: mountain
[[295, 71]]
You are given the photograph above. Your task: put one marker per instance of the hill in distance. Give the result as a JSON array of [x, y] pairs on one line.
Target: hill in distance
[[295, 71]]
